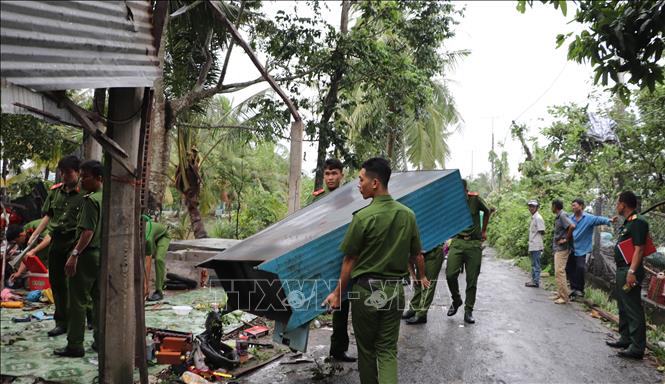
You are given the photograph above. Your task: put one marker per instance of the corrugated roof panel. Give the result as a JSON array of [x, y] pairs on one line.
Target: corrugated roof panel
[[309, 272], [57, 45], [301, 252]]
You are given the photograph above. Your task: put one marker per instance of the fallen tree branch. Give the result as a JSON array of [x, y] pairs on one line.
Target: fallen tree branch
[[615, 319]]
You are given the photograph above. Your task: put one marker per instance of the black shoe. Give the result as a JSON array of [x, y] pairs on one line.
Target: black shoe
[[617, 344], [408, 314], [417, 320], [628, 354], [57, 331], [156, 296], [468, 317], [344, 357], [69, 352], [90, 326], [94, 346], [453, 308], [531, 284]]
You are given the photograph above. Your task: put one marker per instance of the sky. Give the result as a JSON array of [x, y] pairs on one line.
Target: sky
[[514, 72]]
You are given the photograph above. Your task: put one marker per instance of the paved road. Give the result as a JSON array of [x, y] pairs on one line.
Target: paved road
[[520, 336]]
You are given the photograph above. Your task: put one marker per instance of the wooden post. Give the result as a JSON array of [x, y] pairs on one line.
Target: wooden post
[[295, 165], [118, 314]]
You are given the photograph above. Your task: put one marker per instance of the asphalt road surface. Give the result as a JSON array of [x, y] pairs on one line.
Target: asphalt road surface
[[520, 336]]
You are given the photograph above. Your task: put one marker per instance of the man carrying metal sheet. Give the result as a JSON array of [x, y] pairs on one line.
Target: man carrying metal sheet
[[333, 174], [380, 242], [466, 252]]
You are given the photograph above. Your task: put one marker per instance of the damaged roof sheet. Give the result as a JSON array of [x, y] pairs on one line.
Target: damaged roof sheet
[[302, 251], [58, 45]]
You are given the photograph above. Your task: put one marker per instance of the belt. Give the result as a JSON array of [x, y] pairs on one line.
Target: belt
[[369, 282]]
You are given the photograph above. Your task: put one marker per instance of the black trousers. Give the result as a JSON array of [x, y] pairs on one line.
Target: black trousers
[[575, 268]]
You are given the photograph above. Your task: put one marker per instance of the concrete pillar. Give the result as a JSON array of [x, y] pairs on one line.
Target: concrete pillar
[[118, 313]]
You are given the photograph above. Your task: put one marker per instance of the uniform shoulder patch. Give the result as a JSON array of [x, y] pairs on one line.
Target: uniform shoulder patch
[[318, 192], [56, 186], [473, 194]]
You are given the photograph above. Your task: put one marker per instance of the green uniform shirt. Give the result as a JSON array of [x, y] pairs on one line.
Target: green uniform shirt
[[476, 205], [62, 209], [43, 254], [154, 232], [90, 218], [316, 197], [634, 227], [382, 235]]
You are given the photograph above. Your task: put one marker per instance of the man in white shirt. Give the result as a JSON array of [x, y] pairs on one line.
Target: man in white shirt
[[536, 233]]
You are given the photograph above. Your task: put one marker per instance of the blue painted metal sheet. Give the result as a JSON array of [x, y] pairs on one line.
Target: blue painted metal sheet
[[285, 271], [310, 272]]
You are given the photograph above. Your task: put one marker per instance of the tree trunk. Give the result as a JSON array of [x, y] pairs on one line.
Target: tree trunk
[[47, 172], [330, 102], [390, 146], [160, 143], [192, 204]]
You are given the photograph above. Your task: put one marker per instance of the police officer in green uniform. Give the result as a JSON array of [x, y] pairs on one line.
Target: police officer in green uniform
[[380, 242], [629, 276], [466, 252], [157, 242], [82, 266], [61, 210], [423, 297], [333, 174]]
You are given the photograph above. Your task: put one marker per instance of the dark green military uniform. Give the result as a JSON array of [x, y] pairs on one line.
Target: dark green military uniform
[[43, 254], [423, 297], [339, 340], [632, 323], [156, 245], [382, 236], [84, 286], [465, 252], [62, 208]]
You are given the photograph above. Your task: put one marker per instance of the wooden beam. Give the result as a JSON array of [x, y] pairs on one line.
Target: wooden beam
[[217, 11], [83, 117], [295, 151]]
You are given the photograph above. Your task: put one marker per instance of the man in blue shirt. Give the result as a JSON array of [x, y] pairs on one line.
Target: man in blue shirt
[[582, 245]]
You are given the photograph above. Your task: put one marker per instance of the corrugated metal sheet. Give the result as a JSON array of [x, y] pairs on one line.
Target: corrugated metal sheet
[[299, 259], [58, 45], [11, 94]]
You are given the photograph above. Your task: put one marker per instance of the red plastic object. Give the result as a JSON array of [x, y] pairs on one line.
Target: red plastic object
[[657, 289], [257, 331], [35, 265], [168, 357], [38, 281]]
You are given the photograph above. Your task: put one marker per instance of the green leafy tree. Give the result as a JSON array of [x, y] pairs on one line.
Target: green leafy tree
[[25, 137], [622, 36]]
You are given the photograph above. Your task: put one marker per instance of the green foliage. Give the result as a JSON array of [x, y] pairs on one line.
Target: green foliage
[[26, 137], [386, 65], [575, 163], [621, 37]]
